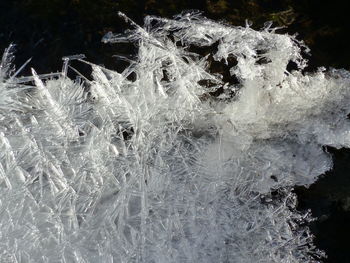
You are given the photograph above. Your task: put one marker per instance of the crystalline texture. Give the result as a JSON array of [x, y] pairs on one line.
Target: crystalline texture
[[158, 170]]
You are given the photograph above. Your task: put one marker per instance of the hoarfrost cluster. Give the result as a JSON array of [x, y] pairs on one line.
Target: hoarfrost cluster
[[155, 169]]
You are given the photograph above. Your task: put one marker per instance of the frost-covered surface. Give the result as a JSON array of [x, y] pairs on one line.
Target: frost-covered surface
[[154, 169]]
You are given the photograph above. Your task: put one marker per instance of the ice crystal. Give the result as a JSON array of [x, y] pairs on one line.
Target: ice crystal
[[157, 169]]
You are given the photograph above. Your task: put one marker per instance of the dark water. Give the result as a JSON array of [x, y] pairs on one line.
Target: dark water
[[48, 30]]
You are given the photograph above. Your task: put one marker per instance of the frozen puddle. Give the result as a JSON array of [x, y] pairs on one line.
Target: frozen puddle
[[158, 169]]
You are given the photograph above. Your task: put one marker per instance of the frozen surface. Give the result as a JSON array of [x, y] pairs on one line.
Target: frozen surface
[[154, 169]]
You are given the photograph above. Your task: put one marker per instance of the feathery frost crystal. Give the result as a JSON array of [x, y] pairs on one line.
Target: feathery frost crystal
[[164, 168]]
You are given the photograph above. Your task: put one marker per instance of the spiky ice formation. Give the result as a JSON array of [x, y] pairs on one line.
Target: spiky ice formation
[[155, 169]]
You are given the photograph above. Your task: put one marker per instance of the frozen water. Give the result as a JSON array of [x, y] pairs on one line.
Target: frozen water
[[157, 170]]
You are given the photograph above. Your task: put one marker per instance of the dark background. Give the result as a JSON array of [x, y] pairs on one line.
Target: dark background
[[47, 30]]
